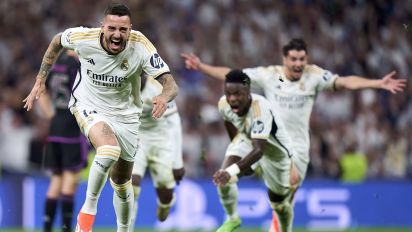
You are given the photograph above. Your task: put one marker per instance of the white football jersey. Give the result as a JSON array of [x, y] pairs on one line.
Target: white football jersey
[[151, 89], [292, 101], [111, 83], [259, 123]]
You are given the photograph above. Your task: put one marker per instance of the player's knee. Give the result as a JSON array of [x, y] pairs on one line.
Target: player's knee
[[277, 197], [165, 196], [279, 203], [136, 179], [121, 171], [178, 174]]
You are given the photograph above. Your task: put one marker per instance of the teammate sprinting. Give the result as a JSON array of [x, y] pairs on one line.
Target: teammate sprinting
[[258, 137], [291, 89], [66, 149], [160, 151], [106, 102]]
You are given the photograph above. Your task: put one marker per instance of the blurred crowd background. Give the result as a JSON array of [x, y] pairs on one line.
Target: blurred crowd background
[[368, 38]]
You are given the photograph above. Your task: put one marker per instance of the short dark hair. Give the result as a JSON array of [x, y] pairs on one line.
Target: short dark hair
[[237, 76], [118, 9], [294, 44]]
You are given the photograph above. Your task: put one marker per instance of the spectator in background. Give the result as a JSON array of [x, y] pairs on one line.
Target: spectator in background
[[14, 153], [353, 164], [66, 151], [395, 163]]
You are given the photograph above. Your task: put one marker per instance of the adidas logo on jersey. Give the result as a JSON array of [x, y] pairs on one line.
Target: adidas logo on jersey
[[91, 61]]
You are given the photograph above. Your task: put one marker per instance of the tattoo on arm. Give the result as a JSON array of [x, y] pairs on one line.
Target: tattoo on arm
[[170, 88], [53, 51], [44, 70]]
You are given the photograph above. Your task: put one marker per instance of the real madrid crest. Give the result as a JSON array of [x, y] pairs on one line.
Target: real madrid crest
[[125, 65], [302, 86]]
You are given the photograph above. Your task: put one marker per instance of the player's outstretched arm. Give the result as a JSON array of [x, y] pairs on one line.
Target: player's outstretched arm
[[194, 63], [222, 177], [49, 58], [388, 82], [169, 92]]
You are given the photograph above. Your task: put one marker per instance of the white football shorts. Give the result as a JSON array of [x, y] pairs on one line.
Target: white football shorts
[[240, 146], [125, 129], [156, 155], [175, 132], [275, 164]]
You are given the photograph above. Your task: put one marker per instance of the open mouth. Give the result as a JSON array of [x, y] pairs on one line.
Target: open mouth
[[235, 108], [115, 44], [298, 70]]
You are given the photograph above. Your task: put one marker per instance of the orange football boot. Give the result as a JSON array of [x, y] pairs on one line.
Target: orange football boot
[[84, 222]]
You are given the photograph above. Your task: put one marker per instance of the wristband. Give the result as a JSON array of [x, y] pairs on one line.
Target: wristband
[[233, 170]]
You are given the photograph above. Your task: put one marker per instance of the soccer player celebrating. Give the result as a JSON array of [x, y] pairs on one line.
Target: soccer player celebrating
[[291, 89], [66, 149], [160, 150], [106, 102], [258, 137]]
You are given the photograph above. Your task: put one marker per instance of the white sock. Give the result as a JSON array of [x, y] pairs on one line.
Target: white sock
[[102, 162], [285, 214], [136, 192], [228, 198], [123, 204]]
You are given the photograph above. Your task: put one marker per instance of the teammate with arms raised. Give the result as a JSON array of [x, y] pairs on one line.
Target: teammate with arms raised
[[291, 90], [66, 149], [106, 102], [258, 137], [160, 150]]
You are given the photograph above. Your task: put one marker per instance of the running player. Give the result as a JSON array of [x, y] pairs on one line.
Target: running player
[[66, 151], [257, 137], [160, 150], [291, 90], [106, 102]]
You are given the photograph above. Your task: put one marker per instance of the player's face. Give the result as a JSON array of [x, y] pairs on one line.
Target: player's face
[[295, 63], [238, 97], [116, 30]]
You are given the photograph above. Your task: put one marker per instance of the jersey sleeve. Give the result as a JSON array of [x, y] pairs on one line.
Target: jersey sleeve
[[71, 36], [326, 80], [222, 107], [153, 64], [257, 76], [261, 124]]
